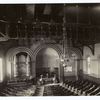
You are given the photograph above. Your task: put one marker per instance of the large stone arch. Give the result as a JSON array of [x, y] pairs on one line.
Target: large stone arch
[[42, 46], [9, 58], [57, 48], [33, 53]]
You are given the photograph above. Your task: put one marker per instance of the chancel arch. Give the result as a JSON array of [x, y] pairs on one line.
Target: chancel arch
[[58, 49], [47, 61], [14, 52], [55, 47]]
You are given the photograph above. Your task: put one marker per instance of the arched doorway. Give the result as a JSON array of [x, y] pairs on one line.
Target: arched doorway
[[47, 62]]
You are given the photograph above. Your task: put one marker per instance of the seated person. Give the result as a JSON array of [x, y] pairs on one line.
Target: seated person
[[46, 79], [54, 79], [40, 82], [47, 75]]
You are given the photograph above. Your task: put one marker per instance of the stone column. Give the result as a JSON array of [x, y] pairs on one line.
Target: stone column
[[33, 69], [15, 66], [76, 68], [27, 65], [61, 73], [12, 68]]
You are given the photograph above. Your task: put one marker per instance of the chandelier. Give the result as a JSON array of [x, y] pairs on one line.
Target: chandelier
[[65, 60]]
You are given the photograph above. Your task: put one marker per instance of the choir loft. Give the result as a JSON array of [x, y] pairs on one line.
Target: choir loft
[[50, 49]]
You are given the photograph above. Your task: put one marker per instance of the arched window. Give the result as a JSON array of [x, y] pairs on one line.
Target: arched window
[[21, 64], [88, 64]]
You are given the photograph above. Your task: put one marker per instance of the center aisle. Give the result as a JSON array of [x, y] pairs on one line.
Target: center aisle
[[48, 90], [45, 90], [57, 90], [39, 91]]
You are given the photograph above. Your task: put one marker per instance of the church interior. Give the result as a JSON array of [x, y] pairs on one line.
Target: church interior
[[50, 49]]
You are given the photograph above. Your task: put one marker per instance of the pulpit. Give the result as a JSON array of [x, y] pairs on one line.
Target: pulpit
[[47, 80]]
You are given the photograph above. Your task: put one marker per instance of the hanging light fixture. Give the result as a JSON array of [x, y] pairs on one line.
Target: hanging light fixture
[[65, 57]]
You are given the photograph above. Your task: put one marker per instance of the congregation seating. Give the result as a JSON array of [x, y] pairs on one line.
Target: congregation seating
[[61, 91], [21, 80], [18, 91], [21, 88], [80, 87], [83, 87], [56, 90]]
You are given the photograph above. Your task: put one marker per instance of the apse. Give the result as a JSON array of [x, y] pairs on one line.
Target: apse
[[47, 61]]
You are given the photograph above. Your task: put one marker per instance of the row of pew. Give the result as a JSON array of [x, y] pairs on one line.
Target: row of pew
[[21, 80], [57, 90], [18, 89], [82, 87]]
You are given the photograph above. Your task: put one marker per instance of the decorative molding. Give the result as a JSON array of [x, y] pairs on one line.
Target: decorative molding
[[13, 51]]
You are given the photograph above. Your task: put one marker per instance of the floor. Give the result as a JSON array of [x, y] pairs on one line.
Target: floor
[[44, 90]]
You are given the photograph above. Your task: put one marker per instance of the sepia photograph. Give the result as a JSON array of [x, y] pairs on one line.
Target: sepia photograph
[[50, 49]]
